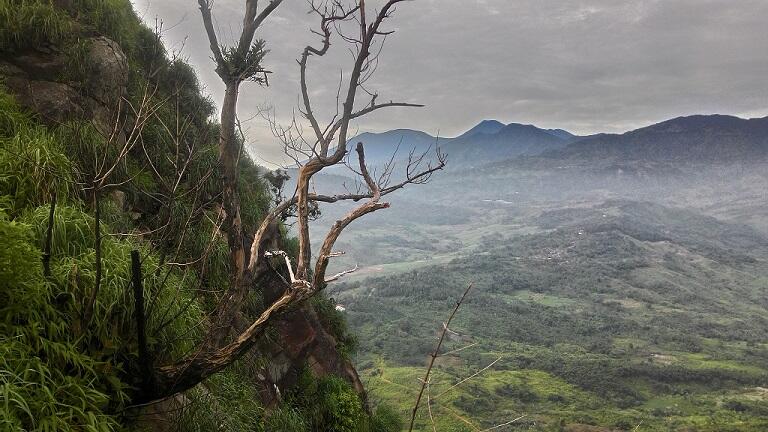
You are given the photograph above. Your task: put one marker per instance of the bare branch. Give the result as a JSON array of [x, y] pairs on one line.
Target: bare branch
[[504, 424], [434, 356], [429, 408], [287, 262], [253, 21], [327, 19], [458, 349], [205, 11], [470, 377], [339, 275]]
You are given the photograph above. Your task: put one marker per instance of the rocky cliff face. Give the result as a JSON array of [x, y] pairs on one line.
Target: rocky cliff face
[[41, 80], [303, 340]]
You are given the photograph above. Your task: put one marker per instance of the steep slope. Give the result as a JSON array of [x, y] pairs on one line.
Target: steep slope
[[69, 71]]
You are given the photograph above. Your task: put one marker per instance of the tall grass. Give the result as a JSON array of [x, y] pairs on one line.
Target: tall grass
[[46, 382], [111, 335], [226, 403], [33, 163], [30, 23]]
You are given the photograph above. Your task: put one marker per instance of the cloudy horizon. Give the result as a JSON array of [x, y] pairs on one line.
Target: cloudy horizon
[[584, 66]]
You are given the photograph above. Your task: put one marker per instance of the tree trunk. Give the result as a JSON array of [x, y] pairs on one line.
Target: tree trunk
[[148, 383], [302, 193], [48, 238], [229, 155]]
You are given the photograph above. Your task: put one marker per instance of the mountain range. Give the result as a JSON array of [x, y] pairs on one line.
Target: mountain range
[[488, 141], [697, 138]]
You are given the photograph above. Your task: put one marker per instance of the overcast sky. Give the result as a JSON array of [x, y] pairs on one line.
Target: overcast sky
[[583, 65]]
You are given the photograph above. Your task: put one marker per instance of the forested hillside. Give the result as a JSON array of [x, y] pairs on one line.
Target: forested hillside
[[612, 315]]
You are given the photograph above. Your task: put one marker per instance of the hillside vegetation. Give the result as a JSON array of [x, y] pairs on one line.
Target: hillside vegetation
[[69, 353]]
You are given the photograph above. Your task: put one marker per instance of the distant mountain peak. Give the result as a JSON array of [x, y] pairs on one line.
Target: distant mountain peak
[[490, 123], [487, 127]]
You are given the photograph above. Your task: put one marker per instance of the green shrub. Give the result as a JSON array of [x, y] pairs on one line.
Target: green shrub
[[341, 407], [386, 419], [328, 403]]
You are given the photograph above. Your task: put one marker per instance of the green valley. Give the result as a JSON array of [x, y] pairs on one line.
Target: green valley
[[616, 315]]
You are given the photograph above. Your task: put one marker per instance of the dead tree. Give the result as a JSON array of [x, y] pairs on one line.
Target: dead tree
[[328, 147], [234, 65]]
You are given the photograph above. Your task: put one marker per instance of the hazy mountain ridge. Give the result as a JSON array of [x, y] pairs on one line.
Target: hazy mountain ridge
[[379, 147], [489, 140], [689, 139], [698, 138]]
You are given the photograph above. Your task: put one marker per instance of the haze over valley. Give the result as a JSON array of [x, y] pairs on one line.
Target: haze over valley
[[619, 279]]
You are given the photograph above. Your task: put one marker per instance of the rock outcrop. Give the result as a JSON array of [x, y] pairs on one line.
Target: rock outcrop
[[41, 79], [304, 341]]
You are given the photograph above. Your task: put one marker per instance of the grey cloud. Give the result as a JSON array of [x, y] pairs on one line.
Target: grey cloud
[[583, 65]]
